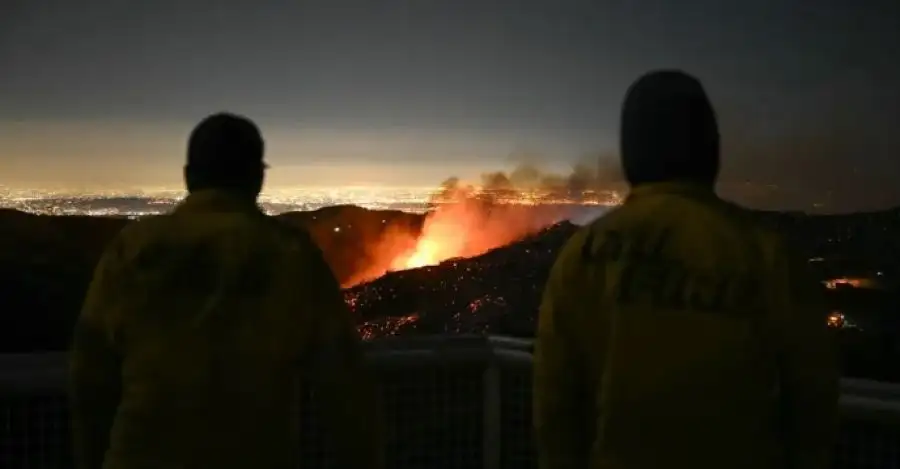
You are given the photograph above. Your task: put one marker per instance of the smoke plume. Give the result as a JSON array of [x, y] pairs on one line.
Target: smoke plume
[[467, 220], [589, 175]]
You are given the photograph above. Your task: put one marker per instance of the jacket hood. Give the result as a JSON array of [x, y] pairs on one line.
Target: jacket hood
[[668, 130]]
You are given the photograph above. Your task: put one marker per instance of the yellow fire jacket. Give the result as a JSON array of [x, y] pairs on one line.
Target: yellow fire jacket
[[677, 332], [193, 336]]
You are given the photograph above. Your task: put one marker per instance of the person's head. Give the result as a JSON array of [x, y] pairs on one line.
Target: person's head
[[668, 131], [225, 152]]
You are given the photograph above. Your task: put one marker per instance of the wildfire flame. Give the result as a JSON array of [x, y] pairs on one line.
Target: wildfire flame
[[464, 223], [467, 228], [428, 252], [444, 236]]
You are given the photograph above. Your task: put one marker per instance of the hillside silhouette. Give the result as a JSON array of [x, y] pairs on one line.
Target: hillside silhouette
[[48, 263]]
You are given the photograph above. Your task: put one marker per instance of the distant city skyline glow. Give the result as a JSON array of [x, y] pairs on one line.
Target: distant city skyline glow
[[298, 156], [397, 92]]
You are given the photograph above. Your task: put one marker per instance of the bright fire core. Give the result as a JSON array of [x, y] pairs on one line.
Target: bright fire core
[[464, 227], [427, 252], [443, 237], [466, 230]]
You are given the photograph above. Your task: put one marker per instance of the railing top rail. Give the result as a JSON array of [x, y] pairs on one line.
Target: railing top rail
[[515, 343], [871, 388], [441, 341], [870, 409], [44, 369]]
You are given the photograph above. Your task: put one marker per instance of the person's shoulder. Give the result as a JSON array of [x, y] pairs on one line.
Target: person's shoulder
[[287, 234], [763, 224], [131, 239], [582, 246], [613, 216], [616, 220], [768, 230], [284, 228], [735, 217], [633, 213], [141, 230], [573, 251]]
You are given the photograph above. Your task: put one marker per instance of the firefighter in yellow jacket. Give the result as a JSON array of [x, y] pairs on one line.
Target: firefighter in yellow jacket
[[676, 331], [198, 325]]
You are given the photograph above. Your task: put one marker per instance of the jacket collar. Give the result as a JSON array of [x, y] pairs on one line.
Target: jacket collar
[[212, 200]]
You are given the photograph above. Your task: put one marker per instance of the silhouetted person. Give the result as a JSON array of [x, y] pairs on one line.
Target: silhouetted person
[[676, 332], [198, 323]]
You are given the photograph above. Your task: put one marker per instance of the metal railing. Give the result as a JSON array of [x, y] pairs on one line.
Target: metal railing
[[458, 402]]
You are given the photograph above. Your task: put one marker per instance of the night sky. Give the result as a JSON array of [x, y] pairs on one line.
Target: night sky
[[102, 92]]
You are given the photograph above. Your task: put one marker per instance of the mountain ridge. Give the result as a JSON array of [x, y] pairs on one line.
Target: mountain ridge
[[49, 259]]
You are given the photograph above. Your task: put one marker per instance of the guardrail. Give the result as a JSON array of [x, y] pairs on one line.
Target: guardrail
[[455, 402]]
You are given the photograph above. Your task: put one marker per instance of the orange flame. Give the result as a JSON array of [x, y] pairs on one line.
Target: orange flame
[[461, 225], [445, 235], [467, 228], [427, 252]]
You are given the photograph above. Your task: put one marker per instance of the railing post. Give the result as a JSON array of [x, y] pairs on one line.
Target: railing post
[[491, 414]]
